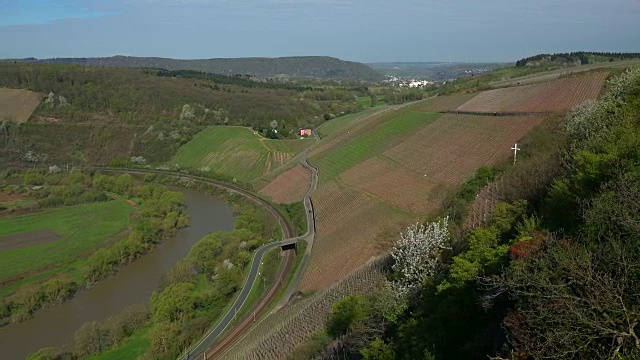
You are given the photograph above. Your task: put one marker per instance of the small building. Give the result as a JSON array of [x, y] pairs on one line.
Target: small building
[[305, 132]]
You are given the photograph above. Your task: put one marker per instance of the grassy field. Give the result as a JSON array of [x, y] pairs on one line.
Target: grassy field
[[107, 219], [237, 152], [135, 346], [370, 142], [17, 105]]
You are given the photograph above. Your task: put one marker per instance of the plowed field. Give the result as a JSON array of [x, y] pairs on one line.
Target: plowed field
[[31, 238], [450, 149], [17, 105], [551, 97], [289, 187]]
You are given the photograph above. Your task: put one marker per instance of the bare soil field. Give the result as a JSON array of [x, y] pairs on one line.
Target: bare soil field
[[289, 187], [18, 105], [347, 223], [395, 185], [551, 97], [18, 241], [451, 148], [8, 198]]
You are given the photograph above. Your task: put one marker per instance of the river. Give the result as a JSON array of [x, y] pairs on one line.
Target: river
[[133, 284]]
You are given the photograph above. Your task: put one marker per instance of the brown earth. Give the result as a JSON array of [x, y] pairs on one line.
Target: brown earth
[[556, 96], [289, 187], [7, 198], [12, 242], [18, 105]]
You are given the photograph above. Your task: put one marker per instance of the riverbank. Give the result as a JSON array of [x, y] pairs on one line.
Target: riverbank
[[133, 284]]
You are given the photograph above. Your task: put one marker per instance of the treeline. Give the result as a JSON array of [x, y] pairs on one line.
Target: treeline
[[129, 96], [323, 68], [192, 295], [552, 272], [246, 81], [160, 213], [583, 57]]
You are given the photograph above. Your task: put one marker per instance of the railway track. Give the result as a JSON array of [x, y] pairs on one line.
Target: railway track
[[216, 341]]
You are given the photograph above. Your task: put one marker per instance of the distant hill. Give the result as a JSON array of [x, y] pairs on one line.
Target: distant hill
[[574, 58], [322, 67]]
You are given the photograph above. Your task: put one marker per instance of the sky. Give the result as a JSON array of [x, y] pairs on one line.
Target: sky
[[357, 30]]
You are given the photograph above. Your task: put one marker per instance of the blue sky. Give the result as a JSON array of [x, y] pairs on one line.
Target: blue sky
[[359, 30]]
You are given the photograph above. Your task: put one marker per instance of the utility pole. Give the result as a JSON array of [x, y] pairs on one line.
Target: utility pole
[[515, 149]]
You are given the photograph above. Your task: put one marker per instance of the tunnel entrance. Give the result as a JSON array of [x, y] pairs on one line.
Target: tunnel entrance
[[289, 247]]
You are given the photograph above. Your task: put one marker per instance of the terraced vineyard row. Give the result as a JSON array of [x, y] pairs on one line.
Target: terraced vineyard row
[[556, 96], [289, 187], [347, 222], [278, 334], [453, 147]]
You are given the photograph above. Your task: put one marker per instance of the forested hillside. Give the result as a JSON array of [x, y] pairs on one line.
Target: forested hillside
[[102, 114], [538, 260], [574, 58], [322, 67]]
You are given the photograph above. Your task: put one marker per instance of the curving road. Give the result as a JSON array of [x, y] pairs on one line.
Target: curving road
[[239, 330], [210, 338], [287, 262]]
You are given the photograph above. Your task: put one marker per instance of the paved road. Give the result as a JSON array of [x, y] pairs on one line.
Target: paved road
[[226, 342], [210, 338]]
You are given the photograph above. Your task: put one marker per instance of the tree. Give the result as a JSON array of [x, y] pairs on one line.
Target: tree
[[176, 302], [346, 314], [163, 337], [378, 350], [417, 254], [574, 300], [91, 338]]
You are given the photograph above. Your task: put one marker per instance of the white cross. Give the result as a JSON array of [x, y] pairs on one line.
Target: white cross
[[515, 149]]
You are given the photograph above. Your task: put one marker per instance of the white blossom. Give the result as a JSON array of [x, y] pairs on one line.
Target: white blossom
[[227, 264], [62, 100], [417, 254], [54, 169], [187, 113]]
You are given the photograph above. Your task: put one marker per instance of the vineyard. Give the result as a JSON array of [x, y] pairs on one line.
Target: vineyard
[[289, 187], [237, 152], [556, 96], [442, 103], [480, 210], [17, 105], [347, 223], [453, 147], [393, 184], [370, 140], [278, 334]]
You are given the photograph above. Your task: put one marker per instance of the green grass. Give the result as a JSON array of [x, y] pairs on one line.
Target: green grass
[[370, 142], [337, 125], [236, 152], [84, 228], [135, 346]]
